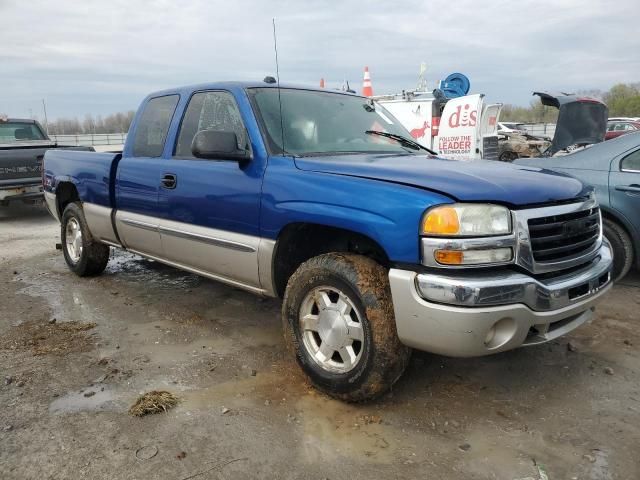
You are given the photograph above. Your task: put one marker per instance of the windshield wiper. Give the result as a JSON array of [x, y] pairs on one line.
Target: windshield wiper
[[401, 140]]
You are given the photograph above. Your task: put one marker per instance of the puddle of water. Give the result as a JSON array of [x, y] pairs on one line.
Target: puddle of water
[[332, 429], [169, 341], [232, 393], [172, 353], [600, 467], [103, 399], [133, 268], [66, 303]]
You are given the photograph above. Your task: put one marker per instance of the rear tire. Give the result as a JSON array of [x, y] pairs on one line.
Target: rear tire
[[84, 256], [508, 156], [338, 320], [621, 246]]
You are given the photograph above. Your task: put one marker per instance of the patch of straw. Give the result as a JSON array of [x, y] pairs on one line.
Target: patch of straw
[[60, 338], [153, 402]]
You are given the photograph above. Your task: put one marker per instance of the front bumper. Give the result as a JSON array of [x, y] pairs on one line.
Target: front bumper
[[471, 314]]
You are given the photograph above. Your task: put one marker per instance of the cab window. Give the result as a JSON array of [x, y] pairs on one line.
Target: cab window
[[152, 128], [210, 111]]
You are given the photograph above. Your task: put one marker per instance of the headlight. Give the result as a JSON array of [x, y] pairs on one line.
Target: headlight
[[466, 220]]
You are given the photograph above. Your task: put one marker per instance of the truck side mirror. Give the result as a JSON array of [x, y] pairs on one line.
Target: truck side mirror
[[218, 145]]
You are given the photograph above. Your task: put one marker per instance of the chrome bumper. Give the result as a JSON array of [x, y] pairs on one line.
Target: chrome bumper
[[22, 193], [473, 289], [471, 314]]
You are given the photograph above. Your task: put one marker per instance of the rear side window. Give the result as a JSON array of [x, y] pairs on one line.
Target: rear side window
[[631, 162], [19, 132], [210, 111], [152, 128]]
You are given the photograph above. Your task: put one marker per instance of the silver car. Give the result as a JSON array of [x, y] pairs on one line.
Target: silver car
[[613, 168]]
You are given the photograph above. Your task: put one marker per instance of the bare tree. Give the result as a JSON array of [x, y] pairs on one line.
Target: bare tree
[[113, 123]]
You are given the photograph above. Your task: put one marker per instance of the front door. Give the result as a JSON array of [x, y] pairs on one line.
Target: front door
[[210, 215]]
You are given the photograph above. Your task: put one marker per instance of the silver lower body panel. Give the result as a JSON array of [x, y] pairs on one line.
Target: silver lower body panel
[[50, 202], [240, 260]]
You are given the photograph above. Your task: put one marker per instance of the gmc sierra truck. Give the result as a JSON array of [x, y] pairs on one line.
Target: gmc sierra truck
[[322, 198], [22, 146]]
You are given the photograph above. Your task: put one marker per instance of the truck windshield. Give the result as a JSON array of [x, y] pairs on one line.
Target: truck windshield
[[325, 123], [11, 132]]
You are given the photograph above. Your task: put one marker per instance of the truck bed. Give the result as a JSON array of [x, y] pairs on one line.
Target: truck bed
[[92, 173]]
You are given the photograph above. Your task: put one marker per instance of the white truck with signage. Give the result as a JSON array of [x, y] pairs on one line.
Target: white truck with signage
[[460, 128]]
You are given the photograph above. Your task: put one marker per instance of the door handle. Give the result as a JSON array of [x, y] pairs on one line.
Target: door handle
[[635, 188], [169, 180]]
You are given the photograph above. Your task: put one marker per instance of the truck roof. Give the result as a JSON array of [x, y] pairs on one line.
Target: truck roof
[[21, 120], [229, 85]]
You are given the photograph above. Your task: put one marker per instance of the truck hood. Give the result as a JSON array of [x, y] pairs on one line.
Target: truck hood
[[463, 180]]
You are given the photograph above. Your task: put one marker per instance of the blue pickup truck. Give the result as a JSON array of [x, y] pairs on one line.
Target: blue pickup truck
[[323, 199]]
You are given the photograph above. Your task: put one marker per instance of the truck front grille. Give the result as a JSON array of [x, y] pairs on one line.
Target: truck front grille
[[561, 237]]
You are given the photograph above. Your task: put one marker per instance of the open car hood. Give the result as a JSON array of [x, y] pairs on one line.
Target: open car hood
[[581, 120]]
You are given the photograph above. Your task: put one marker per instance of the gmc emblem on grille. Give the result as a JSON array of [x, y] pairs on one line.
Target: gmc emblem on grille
[[574, 227]]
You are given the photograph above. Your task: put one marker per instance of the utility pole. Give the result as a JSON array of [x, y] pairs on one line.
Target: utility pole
[[46, 121]]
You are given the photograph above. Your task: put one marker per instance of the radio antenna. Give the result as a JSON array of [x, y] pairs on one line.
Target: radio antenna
[[275, 49]]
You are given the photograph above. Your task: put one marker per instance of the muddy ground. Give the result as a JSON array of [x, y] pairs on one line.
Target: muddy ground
[[246, 412]]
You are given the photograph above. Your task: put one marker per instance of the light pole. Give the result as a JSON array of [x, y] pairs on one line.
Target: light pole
[[46, 121]]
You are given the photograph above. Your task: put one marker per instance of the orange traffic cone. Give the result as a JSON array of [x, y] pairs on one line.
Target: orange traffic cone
[[367, 90], [322, 83]]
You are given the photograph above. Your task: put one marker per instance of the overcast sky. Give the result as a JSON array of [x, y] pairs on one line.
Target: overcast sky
[[104, 56]]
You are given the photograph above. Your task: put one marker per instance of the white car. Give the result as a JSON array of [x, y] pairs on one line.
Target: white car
[[624, 119], [511, 127]]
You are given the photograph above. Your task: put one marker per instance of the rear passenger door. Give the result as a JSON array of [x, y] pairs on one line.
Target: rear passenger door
[[140, 176], [210, 217]]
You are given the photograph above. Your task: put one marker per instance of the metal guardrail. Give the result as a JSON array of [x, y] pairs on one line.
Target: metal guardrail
[[91, 140], [541, 129]]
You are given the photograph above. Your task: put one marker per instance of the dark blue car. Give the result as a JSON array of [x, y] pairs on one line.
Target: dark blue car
[[613, 168]]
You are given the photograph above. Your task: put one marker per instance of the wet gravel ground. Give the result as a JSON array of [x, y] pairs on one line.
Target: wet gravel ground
[[568, 409]]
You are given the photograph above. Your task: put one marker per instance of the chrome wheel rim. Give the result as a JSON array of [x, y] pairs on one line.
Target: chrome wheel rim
[[73, 240], [332, 329]]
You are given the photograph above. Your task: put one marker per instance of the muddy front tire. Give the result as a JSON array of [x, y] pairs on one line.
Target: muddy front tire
[[338, 320], [84, 256]]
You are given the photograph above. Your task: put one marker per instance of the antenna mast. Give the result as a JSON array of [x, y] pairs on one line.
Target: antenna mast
[[275, 49]]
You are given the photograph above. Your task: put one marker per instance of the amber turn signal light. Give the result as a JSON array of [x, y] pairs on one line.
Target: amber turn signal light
[[449, 257]]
